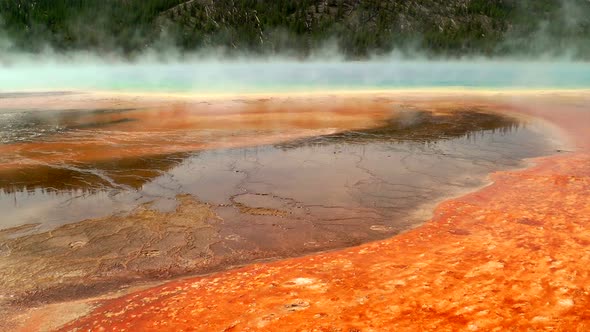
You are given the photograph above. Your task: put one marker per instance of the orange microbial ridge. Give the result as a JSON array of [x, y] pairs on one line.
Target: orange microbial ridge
[[510, 256], [128, 128]]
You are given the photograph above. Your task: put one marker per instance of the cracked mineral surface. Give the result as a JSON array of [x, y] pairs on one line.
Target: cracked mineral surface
[[124, 192]]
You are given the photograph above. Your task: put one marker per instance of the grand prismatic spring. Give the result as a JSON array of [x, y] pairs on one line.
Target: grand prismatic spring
[[293, 196]]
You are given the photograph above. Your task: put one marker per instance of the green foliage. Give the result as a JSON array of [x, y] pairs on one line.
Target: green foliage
[[360, 27], [498, 9], [82, 24]]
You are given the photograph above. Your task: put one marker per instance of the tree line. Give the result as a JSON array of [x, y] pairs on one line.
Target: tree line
[[358, 27]]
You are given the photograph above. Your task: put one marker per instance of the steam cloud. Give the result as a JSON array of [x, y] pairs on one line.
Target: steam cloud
[[164, 67]]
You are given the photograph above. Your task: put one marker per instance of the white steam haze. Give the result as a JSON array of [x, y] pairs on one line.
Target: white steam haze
[[167, 69], [281, 75], [208, 71]]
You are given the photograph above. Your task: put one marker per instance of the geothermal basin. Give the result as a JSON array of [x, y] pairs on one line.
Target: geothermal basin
[[97, 196], [104, 193]]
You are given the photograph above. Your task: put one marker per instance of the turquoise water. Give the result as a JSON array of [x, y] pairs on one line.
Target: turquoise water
[[219, 77]]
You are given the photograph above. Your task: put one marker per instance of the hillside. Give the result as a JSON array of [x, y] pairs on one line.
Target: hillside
[[358, 28]]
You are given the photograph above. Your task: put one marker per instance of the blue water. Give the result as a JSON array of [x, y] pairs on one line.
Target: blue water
[[220, 77]]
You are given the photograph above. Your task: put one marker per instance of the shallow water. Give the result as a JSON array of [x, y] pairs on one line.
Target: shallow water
[[93, 198], [283, 75], [393, 164]]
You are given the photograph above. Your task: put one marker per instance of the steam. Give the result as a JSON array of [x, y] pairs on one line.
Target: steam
[[208, 75], [164, 67], [558, 35]]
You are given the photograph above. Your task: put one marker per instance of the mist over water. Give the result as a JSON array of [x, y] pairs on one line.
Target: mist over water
[[247, 76]]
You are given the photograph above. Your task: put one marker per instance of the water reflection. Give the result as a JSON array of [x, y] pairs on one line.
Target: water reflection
[[87, 223], [415, 150], [27, 126], [420, 126]]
